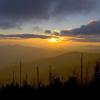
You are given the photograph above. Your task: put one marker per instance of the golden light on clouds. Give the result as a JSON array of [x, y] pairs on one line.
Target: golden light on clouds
[[54, 42], [57, 31]]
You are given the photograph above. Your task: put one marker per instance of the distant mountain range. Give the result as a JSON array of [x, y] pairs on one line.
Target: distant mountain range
[[10, 54]]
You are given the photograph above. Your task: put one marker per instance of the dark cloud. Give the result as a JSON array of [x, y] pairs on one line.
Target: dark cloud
[[25, 10], [24, 36], [91, 28], [47, 31], [8, 24], [87, 38], [85, 33], [68, 7]]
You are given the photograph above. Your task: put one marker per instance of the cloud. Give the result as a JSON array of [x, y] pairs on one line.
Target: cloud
[[87, 38], [91, 28], [85, 33], [47, 32], [24, 36], [8, 24], [19, 11], [68, 7]]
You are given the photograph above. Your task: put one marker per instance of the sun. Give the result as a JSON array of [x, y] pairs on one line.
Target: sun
[[55, 39]]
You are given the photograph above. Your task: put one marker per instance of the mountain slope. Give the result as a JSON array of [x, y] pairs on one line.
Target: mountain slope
[[10, 54], [62, 65]]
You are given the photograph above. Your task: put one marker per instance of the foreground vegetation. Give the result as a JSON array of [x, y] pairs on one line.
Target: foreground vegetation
[[72, 88]]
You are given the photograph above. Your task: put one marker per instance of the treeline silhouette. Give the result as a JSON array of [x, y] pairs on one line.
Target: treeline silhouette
[[71, 88]]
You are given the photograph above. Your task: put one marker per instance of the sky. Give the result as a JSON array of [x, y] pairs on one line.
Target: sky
[[35, 16], [77, 20]]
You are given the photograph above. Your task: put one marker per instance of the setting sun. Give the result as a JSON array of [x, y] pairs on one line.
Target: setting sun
[[55, 39]]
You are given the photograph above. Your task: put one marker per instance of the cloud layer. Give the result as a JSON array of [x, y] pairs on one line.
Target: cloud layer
[[86, 38], [24, 36], [91, 28], [13, 12]]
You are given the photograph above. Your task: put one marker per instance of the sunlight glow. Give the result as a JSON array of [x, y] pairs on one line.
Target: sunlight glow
[[58, 31], [55, 39]]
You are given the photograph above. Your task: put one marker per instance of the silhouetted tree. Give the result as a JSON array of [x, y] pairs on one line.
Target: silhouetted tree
[[97, 73]]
